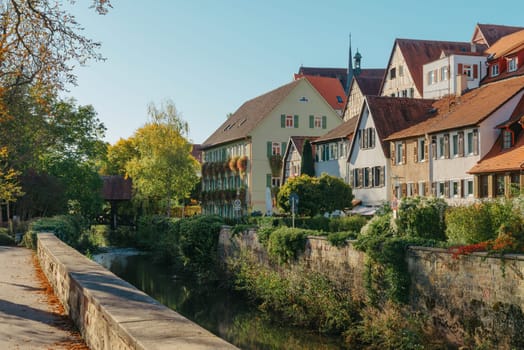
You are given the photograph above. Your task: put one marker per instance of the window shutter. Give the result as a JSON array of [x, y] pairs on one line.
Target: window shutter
[[283, 148], [268, 180], [434, 147], [360, 177], [365, 141], [372, 131], [459, 70], [324, 122], [311, 121], [392, 151], [404, 189], [351, 178], [461, 188], [475, 142], [383, 176], [282, 120], [475, 71], [446, 189], [295, 121], [404, 158], [446, 146], [461, 144], [269, 148], [426, 149], [415, 151], [427, 188]]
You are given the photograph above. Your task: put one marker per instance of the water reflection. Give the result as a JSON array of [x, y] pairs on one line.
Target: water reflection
[[211, 305]]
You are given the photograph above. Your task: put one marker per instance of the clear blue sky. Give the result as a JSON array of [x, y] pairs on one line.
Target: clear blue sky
[[211, 56]]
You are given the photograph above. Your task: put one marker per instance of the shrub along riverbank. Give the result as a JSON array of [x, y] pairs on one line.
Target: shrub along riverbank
[[294, 294]]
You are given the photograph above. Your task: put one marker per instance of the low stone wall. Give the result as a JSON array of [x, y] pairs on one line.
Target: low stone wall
[[472, 296], [109, 312]]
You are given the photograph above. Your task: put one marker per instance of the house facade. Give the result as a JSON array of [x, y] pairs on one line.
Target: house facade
[[461, 132], [257, 133], [366, 82], [369, 166], [292, 162], [403, 77]]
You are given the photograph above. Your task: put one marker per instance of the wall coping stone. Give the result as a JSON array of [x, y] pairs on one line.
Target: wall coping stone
[[139, 321]]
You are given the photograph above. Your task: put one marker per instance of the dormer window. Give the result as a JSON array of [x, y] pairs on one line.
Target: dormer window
[[494, 70], [392, 73], [507, 139], [512, 64]]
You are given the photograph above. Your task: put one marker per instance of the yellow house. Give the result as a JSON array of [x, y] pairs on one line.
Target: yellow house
[[243, 157]]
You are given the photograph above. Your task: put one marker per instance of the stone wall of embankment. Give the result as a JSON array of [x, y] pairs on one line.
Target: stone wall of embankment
[[474, 295], [110, 313]]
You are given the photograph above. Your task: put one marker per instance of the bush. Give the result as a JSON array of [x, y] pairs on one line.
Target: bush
[[150, 230], [67, 228], [123, 236], [6, 239], [422, 217], [340, 239], [352, 223], [285, 243]]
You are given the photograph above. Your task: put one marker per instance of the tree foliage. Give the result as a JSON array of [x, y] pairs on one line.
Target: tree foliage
[[163, 168], [307, 165], [336, 194]]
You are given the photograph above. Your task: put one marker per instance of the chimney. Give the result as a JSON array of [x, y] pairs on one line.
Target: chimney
[[461, 84]]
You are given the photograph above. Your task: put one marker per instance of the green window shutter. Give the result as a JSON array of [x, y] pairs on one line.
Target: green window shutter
[[295, 122], [269, 148], [282, 120], [311, 122], [324, 122], [268, 180], [283, 148]]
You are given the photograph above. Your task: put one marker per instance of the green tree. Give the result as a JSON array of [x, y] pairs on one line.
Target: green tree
[[118, 155], [335, 193], [163, 168], [307, 165], [10, 188], [308, 191]]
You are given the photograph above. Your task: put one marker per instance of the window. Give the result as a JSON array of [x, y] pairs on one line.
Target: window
[[400, 71], [494, 70], [289, 121], [499, 185], [468, 71], [468, 188], [421, 188], [512, 64], [339, 99], [444, 73], [318, 122], [366, 138], [392, 73], [275, 181], [469, 143], [356, 178], [432, 79], [421, 150], [515, 184], [399, 147], [333, 151], [275, 148], [455, 189], [377, 176], [484, 186], [441, 147], [454, 145], [410, 189], [507, 139], [441, 189], [367, 177]]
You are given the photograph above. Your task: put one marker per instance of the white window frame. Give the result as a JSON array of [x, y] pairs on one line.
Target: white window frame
[[454, 184], [454, 147], [444, 73], [399, 145], [441, 147], [421, 188], [512, 64], [421, 149], [467, 69], [467, 192], [410, 189], [495, 70], [468, 151], [431, 77]]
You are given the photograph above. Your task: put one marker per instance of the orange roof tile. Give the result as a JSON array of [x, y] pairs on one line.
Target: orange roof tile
[[498, 159], [329, 88], [339, 73], [493, 32], [467, 110], [507, 45], [344, 130]]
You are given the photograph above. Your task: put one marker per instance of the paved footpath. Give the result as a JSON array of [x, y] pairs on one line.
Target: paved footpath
[[30, 317]]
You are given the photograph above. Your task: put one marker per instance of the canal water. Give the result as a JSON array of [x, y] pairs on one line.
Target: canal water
[[212, 305]]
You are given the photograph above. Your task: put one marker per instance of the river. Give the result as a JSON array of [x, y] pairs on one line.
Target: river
[[211, 305]]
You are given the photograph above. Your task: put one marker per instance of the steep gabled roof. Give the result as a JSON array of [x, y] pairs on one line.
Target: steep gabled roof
[[488, 34], [339, 73], [196, 152], [417, 53], [369, 80], [344, 130], [467, 110], [507, 45], [247, 117], [391, 114], [298, 141], [329, 88]]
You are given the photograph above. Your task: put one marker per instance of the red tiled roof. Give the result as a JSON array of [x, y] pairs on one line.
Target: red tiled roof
[[247, 117], [298, 141], [469, 109], [340, 73], [493, 32], [329, 88], [498, 159], [391, 114], [116, 187], [507, 44], [419, 52], [344, 130]]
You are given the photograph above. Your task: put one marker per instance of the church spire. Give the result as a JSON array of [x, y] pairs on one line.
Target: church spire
[[350, 68]]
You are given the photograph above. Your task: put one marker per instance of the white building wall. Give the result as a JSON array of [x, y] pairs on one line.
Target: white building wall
[[449, 85], [363, 158]]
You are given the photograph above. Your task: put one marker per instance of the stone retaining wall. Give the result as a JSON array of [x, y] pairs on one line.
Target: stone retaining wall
[[472, 296], [110, 313]]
